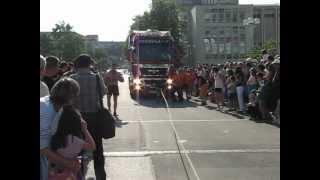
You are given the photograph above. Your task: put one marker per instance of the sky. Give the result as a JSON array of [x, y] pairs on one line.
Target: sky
[[110, 19]]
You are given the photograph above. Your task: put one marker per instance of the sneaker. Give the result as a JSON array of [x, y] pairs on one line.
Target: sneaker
[[204, 103]]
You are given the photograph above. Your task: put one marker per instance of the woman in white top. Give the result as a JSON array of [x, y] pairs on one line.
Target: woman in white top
[[218, 87]]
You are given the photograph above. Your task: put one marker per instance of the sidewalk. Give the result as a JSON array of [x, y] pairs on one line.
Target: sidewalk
[[125, 168], [213, 106]]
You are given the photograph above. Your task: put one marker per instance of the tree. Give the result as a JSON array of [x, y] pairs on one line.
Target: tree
[[141, 22], [163, 16], [256, 53], [46, 45], [67, 44]]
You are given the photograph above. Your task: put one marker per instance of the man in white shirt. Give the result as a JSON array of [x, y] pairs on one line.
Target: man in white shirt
[[44, 90]]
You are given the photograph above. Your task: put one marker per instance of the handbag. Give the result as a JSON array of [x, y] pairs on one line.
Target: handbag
[[106, 121]]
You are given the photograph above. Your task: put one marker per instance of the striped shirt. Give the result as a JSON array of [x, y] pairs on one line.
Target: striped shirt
[[88, 101]]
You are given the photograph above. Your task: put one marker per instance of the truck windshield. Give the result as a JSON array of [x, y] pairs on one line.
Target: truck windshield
[[155, 52]]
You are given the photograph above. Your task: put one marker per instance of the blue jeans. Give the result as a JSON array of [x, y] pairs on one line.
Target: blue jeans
[[44, 168]]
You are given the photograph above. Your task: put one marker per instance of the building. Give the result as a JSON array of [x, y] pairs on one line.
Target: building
[[216, 31]]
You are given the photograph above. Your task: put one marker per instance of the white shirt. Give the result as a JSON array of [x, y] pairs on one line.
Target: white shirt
[[44, 90], [218, 82]]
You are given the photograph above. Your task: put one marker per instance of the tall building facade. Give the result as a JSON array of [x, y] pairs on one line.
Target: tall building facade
[[216, 32]]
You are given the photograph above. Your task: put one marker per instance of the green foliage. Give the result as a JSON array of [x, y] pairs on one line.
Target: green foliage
[[163, 16], [256, 53], [62, 42]]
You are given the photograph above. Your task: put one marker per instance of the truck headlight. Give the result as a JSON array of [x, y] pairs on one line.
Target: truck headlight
[[169, 81], [137, 81]]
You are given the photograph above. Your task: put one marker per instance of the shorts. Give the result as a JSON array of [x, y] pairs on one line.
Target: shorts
[[113, 90], [218, 90]]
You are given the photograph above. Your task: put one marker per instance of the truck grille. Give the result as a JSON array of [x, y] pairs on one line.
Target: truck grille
[[153, 71], [155, 83]]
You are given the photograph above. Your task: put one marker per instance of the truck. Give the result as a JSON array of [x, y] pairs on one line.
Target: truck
[[151, 54]]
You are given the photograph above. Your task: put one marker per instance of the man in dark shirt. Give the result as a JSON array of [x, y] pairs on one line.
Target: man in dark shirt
[[51, 71], [89, 106]]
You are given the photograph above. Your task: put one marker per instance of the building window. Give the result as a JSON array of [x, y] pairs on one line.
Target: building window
[[242, 48], [269, 15], [235, 29], [235, 15], [242, 37], [214, 18], [235, 48], [257, 16], [214, 46], [221, 18], [221, 48], [242, 15], [235, 39], [221, 32], [228, 17], [228, 48], [207, 44]]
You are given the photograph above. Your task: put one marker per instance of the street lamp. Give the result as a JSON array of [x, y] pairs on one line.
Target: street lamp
[[251, 22]]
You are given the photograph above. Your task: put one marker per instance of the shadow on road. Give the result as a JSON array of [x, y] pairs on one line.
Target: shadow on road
[[157, 102]]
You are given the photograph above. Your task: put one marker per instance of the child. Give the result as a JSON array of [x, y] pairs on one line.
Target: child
[[252, 106], [71, 138], [232, 94]]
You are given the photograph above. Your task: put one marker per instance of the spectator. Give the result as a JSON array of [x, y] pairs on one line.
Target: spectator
[[240, 89], [252, 82], [260, 80], [270, 59], [232, 93], [71, 70], [265, 55], [44, 90], [252, 106], [189, 81], [204, 85], [265, 94], [62, 93], [89, 106], [177, 85], [63, 68], [261, 69], [218, 88], [71, 138], [51, 75]]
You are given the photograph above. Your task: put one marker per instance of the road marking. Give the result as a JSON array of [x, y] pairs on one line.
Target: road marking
[[148, 153], [178, 139], [159, 121], [182, 141]]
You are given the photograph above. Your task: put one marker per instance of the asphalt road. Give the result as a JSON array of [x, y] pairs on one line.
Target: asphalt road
[[213, 145]]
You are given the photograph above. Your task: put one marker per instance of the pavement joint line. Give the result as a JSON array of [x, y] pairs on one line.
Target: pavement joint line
[[148, 153], [159, 121], [178, 138]]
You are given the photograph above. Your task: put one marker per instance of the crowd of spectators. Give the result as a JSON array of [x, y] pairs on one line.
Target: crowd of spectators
[[248, 87], [69, 118]]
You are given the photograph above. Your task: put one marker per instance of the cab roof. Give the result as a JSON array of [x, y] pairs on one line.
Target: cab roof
[[152, 33]]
